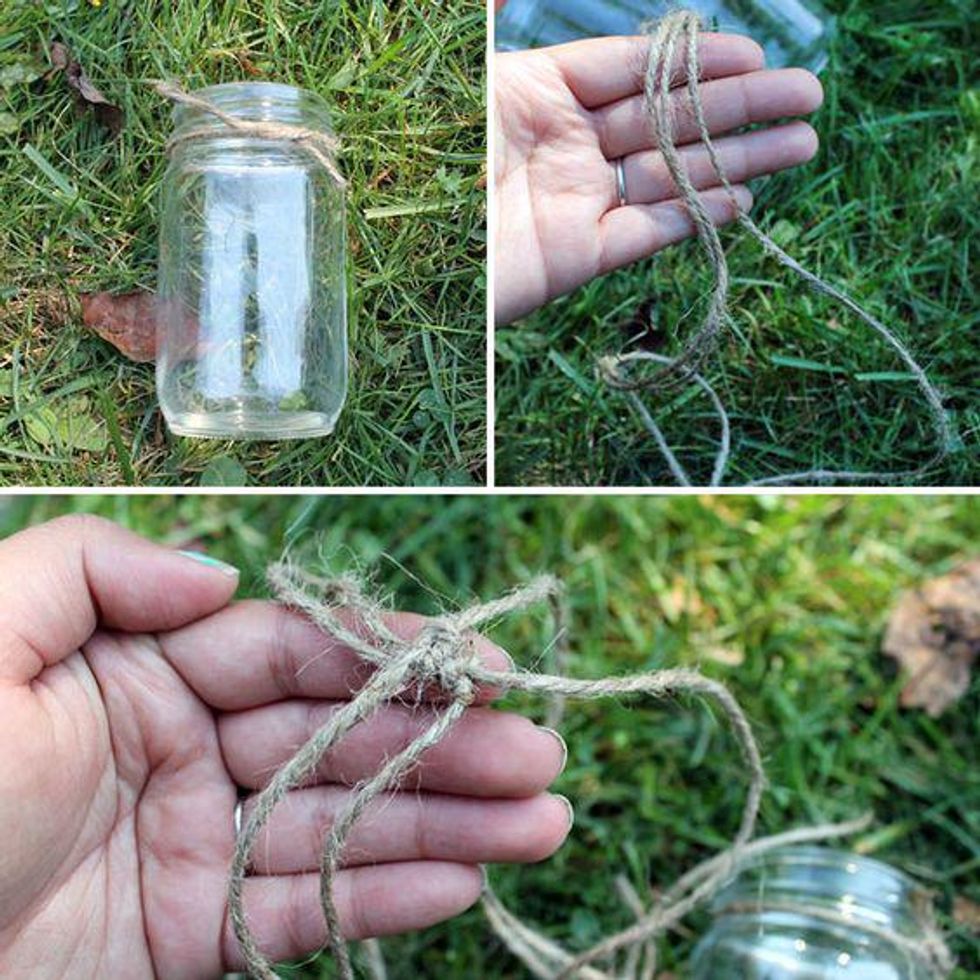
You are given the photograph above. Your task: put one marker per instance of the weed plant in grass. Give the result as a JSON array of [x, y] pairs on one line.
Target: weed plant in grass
[[79, 213], [782, 598], [887, 211]]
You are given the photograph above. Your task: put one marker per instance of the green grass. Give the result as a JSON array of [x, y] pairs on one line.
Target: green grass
[[887, 210], [794, 590], [79, 213]]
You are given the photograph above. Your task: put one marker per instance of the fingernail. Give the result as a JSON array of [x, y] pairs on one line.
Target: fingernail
[[221, 566], [569, 807], [561, 742]]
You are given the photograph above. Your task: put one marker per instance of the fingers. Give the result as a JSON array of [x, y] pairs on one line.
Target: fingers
[[487, 754], [61, 578], [743, 157], [254, 653], [605, 69], [636, 232], [286, 919], [729, 104], [411, 827]]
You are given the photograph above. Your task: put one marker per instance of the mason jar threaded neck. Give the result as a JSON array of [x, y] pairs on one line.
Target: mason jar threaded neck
[[861, 890], [255, 102]]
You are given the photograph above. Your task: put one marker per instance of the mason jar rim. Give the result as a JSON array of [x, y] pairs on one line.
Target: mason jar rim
[[256, 101], [866, 887]]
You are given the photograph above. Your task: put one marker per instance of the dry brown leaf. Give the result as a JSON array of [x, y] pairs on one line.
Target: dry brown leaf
[[640, 330], [130, 322], [127, 320], [248, 66], [87, 95], [59, 59], [934, 634]]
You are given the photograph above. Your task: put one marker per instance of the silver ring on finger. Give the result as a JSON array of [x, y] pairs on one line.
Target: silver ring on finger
[[237, 818], [621, 182]]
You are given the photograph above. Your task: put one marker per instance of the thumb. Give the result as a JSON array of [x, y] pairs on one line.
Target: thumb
[[59, 580]]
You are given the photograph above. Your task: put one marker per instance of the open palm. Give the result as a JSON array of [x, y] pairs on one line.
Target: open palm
[[565, 115], [134, 702]]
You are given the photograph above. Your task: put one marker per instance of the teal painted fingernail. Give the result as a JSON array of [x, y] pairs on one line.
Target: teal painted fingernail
[[221, 566]]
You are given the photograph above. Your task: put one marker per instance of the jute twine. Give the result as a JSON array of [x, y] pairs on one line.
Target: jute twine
[[442, 662], [667, 36], [320, 145]]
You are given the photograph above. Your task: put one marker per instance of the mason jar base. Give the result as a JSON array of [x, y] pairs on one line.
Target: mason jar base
[[251, 425]]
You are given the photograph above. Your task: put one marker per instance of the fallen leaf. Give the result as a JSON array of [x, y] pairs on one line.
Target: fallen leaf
[[127, 320], [934, 635], [248, 66], [59, 57], [784, 232], [9, 123], [67, 425], [87, 95], [132, 321], [640, 331], [19, 70], [223, 471], [966, 913]]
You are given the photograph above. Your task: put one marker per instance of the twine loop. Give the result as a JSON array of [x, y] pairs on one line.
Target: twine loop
[[678, 32]]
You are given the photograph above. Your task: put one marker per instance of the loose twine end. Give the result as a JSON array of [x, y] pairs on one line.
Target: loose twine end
[[322, 147], [678, 32], [442, 656]]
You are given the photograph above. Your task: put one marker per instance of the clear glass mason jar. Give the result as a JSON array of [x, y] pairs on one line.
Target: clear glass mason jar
[[813, 913], [793, 32], [252, 330]]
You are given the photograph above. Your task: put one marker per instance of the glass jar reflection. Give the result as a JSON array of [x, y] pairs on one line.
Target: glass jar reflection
[[793, 32]]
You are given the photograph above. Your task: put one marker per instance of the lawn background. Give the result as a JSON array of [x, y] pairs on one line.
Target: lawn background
[[78, 212], [888, 210], [783, 598]]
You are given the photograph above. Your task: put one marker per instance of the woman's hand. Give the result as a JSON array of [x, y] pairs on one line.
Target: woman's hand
[[565, 115], [134, 701]]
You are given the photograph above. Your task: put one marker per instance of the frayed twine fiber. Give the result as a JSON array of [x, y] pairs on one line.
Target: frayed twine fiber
[[442, 659], [666, 38], [321, 146]]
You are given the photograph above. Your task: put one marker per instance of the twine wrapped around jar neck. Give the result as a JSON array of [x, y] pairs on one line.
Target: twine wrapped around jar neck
[[323, 147]]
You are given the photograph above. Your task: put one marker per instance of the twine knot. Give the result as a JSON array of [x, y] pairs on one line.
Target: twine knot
[[444, 655]]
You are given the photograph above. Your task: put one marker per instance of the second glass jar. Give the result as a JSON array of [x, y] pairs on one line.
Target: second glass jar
[[814, 913]]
